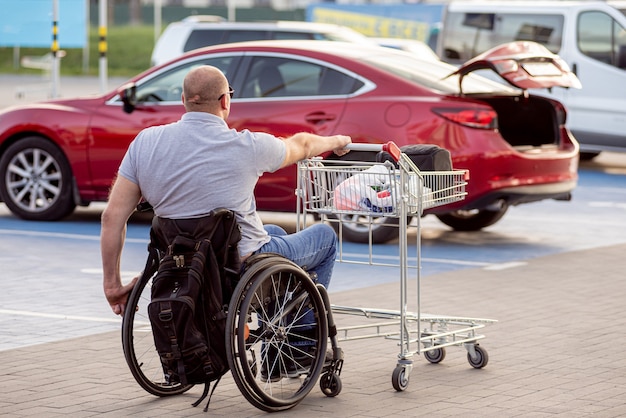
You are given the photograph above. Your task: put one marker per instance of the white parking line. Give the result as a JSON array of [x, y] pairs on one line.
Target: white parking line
[[412, 261], [457, 262], [504, 266], [617, 205], [62, 235], [98, 272], [58, 316]]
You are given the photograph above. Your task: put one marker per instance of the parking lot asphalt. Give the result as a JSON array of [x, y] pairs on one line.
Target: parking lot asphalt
[[557, 350]]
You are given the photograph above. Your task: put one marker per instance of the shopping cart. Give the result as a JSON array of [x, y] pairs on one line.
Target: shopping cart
[[335, 191]]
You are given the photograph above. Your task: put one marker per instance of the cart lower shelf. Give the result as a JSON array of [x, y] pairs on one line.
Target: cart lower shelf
[[421, 333]]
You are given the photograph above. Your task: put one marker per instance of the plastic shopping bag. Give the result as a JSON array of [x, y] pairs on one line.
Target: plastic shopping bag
[[369, 190]]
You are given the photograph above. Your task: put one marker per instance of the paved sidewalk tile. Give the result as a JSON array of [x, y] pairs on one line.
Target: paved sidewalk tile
[[558, 350]]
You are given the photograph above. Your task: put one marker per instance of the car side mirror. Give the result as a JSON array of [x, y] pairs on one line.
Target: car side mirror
[[128, 95]]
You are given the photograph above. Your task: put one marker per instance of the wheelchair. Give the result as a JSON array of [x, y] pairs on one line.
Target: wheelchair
[[279, 323]]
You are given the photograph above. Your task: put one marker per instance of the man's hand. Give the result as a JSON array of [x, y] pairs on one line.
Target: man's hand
[[305, 145], [345, 140], [118, 296]]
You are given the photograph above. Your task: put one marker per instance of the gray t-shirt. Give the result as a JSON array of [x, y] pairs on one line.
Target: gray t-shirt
[[190, 167]]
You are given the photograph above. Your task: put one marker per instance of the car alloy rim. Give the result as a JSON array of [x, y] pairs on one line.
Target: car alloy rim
[[33, 180]]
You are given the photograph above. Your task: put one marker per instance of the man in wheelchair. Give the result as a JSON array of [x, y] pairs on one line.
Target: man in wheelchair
[[187, 168]]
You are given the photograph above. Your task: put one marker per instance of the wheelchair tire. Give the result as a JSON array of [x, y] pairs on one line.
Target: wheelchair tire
[[139, 350], [264, 319]]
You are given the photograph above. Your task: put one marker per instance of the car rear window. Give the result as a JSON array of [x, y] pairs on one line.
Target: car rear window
[[433, 75]]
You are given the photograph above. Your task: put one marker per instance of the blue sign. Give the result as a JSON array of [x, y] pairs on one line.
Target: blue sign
[[28, 23]]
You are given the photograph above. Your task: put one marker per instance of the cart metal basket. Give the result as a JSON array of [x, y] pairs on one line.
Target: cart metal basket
[[338, 192]]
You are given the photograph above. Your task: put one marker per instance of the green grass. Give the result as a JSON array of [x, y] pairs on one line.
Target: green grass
[[129, 50]]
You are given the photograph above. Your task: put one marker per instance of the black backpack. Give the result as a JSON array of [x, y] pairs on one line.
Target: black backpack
[[190, 295]]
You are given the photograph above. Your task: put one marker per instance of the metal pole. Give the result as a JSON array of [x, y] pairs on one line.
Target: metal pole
[[16, 57], [102, 44], [231, 10], [86, 47], [157, 19], [56, 67]]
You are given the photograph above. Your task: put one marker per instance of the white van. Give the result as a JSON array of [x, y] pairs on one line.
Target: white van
[[589, 35]]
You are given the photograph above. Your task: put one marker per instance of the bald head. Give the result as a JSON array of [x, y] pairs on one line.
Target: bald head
[[202, 89]]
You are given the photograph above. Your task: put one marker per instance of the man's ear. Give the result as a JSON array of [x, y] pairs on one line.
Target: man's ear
[[224, 102]]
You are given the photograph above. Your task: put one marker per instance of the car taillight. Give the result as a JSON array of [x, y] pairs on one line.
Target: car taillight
[[474, 118]]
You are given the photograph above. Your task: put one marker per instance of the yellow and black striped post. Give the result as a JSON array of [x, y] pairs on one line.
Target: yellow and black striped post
[[102, 44], [56, 67], [102, 41], [55, 38]]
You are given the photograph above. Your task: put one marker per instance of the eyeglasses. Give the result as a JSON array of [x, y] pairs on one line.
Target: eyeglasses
[[230, 92]]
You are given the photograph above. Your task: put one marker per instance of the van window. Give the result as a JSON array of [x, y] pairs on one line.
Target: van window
[[199, 38], [245, 35], [602, 38], [292, 35], [469, 34]]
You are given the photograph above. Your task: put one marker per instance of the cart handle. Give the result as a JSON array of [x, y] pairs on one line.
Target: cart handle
[[389, 147]]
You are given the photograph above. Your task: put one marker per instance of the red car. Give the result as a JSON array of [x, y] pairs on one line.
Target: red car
[[62, 153]]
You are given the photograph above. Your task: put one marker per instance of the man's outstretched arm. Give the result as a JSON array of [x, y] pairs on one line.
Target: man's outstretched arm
[[306, 145]]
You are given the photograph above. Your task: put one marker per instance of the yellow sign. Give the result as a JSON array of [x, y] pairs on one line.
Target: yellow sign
[[375, 26]]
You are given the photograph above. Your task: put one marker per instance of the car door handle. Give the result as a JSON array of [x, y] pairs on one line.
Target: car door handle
[[319, 117]]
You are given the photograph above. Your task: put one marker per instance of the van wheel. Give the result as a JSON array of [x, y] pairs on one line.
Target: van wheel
[[472, 220]]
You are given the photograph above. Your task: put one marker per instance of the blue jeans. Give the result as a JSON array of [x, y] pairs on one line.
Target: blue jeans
[[314, 249]]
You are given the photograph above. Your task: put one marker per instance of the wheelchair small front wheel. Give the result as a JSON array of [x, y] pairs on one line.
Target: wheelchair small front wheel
[[138, 343], [330, 384]]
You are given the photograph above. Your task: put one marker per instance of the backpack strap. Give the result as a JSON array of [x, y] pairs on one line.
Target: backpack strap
[[152, 262]]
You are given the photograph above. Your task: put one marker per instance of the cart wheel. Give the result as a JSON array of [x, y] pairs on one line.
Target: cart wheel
[[400, 378], [481, 359], [435, 356], [330, 383]]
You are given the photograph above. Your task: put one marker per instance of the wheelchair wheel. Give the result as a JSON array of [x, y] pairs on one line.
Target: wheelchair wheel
[[276, 334], [139, 350]]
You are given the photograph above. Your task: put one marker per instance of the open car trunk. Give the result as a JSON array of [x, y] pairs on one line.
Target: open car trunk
[[525, 121]]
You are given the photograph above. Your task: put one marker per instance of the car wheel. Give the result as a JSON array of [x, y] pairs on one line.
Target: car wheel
[[472, 220], [588, 156], [36, 180], [356, 228]]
